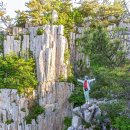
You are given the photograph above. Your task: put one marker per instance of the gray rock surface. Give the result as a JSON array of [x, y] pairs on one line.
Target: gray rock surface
[[87, 113], [53, 96], [48, 50]]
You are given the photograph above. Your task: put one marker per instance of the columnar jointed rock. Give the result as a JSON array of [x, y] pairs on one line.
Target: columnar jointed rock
[[48, 50], [53, 96]]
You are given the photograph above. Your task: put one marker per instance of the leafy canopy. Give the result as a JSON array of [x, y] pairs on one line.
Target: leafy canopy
[[17, 73], [102, 13], [103, 49]]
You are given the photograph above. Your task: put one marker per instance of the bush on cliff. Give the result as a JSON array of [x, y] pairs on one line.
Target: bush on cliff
[[17, 73], [77, 97], [34, 111]]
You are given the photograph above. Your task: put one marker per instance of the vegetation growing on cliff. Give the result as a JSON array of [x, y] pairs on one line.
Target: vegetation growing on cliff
[[34, 111], [67, 122], [17, 73]]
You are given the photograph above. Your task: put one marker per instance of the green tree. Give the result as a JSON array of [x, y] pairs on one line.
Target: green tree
[[17, 73], [39, 13], [103, 49], [102, 13]]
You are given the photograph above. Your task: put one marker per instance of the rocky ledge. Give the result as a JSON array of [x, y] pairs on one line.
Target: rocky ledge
[[89, 117]]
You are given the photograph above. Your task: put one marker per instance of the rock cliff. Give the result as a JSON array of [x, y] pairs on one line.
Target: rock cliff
[[48, 50]]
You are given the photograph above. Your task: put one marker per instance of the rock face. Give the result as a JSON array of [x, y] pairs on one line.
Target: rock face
[[76, 54], [48, 50], [53, 96]]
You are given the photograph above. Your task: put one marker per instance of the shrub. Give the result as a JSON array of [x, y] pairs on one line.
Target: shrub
[[67, 122], [27, 33], [77, 97], [66, 56], [122, 122], [2, 37], [9, 121], [1, 48], [113, 109], [62, 78], [40, 31], [34, 111], [72, 79], [17, 73]]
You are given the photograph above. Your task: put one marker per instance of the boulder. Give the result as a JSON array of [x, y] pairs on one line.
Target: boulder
[[76, 121], [71, 128], [87, 116], [97, 113]]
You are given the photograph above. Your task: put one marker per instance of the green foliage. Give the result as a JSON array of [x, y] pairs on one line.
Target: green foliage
[[112, 83], [72, 79], [21, 18], [17, 73], [27, 33], [40, 31], [77, 17], [21, 36], [114, 112], [1, 48], [16, 38], [2, 37], [66, 56], [102, 50], [77, 97], [9, 121], [67, 122], [62, 78], [102, 13], [122, 122], [34, 111], [113, 109], [86, 124]]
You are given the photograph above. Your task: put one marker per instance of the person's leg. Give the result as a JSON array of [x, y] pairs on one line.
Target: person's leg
[[85, 95]]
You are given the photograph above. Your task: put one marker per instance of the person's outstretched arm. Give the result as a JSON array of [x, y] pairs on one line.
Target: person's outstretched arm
[[91, 80], [81, 81]]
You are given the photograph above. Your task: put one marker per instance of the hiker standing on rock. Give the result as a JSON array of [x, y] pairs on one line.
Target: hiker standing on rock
[[86, 87]]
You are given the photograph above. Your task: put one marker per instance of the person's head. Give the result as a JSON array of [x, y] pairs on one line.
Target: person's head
[[86, 78]]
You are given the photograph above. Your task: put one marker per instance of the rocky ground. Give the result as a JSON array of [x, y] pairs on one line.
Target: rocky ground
[[89, 117]]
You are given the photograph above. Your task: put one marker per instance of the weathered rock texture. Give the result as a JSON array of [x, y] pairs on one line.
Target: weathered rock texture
[[78, 58], [87, 117], [53, 96], [48, 50]]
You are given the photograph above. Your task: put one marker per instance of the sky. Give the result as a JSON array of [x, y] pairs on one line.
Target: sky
[[13, 5]]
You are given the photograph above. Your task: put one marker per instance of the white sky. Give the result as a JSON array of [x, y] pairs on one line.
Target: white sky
[[13, 5]]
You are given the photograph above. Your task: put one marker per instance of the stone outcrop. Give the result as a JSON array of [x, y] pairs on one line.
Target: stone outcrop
[[53, 96], [87, 117]]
